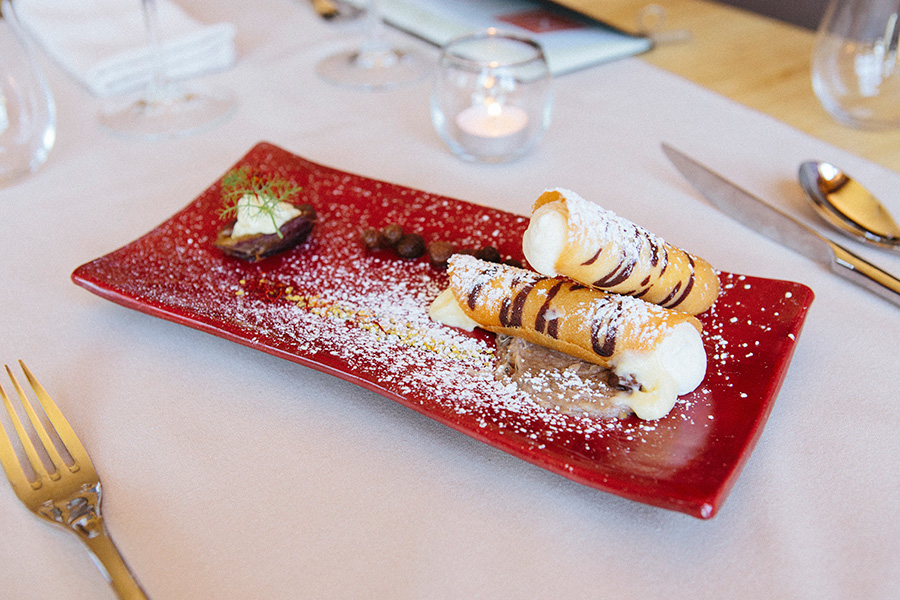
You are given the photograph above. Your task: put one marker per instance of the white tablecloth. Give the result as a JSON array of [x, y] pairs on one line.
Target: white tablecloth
[[231, 474]]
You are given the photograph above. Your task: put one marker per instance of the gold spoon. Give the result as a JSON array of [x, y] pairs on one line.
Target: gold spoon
[[848, 206]]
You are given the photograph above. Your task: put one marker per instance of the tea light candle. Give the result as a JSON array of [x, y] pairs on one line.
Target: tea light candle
[[492, 129]]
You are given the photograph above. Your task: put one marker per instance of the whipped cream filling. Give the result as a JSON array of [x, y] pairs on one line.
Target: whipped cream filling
[[545, 238], [675, 367], [447, 311], [254, 219]]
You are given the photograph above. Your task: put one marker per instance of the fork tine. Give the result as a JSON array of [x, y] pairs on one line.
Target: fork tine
[[36, 465], [60, 424], [49, 446], [8, 458], [30, 449]]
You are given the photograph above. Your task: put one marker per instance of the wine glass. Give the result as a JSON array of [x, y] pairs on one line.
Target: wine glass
[[165, 109], [375, 64], [27, 110], [856, 63]]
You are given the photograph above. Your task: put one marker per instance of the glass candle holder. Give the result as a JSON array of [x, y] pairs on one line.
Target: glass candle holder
[[492, 97]]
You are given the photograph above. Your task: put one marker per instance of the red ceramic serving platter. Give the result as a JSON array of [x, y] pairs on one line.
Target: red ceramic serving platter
[[361, 315]]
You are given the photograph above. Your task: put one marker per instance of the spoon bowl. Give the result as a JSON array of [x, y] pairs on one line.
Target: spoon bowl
[[848, 206]]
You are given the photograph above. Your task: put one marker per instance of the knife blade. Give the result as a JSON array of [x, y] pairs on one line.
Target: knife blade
[[746, 208]]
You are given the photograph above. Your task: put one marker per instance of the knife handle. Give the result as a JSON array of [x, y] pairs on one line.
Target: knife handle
[[848, 265]]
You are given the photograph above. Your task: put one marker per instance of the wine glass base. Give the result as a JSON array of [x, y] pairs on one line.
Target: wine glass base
[[169, 113], [374, 70], [865, 120], [15, 175], [18, 162]]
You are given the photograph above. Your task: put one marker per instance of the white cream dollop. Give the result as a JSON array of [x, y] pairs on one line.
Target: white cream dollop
[[446, 310], [675, 367], [545, 238], [252, 219]]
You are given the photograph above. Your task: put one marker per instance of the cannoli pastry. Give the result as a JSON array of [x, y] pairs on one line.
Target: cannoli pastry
[[573, 237], [659, 349]]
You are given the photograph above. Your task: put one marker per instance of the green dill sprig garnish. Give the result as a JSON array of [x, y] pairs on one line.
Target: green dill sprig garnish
[[269, 190]]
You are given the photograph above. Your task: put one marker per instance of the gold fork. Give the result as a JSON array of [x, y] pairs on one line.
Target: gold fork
[[68, 496]]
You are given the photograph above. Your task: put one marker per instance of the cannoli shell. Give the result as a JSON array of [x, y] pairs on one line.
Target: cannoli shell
[[610, 253], [558, 313]]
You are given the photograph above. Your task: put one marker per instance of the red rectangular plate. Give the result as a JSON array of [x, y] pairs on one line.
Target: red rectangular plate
[[332, 305]]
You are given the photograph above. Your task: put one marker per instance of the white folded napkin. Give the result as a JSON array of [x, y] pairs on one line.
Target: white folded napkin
[[103, 43]]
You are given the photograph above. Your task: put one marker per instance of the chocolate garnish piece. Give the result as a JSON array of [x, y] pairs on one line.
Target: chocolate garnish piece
[[489, 253], [392, 233], [439, 252], [258, 246], [410, 245], [374, 239]]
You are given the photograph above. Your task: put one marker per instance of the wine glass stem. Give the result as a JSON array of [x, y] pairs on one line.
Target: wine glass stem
[[158, 81], [375, 50]]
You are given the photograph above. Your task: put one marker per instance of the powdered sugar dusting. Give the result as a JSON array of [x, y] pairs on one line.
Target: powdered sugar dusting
[[381, 331], [592, 225]]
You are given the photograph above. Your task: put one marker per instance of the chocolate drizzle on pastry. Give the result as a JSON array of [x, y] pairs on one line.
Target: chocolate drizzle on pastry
[[511, 308], [541, 323], [603, 334]]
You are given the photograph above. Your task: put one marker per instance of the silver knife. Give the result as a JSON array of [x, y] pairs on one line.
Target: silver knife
[[784, 229]]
